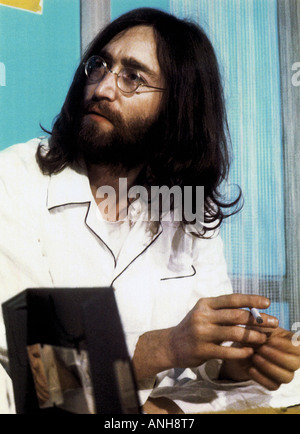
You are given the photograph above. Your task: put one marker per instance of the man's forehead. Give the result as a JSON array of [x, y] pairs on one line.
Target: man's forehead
[[141, 33], [137, 43]]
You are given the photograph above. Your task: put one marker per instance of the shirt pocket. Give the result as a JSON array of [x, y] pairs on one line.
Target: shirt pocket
[[186, 273], [176, 296]]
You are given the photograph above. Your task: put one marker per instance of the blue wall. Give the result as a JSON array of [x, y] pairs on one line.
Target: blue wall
[[40, 54], [118, 7]]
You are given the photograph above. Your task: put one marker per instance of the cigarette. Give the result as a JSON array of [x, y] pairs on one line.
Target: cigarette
[[256, 316]]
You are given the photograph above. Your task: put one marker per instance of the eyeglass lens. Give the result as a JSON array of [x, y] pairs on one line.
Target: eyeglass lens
[[95, 69], [128, 79]]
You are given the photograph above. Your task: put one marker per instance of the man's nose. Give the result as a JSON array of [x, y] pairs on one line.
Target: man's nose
[[107, 87]]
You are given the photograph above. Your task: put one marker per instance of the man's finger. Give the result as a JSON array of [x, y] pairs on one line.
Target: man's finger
[[238, 334], [242, 317], [237, 301], [261, 379], [285, 360], [271, 370], [231, 353], [285, 345]]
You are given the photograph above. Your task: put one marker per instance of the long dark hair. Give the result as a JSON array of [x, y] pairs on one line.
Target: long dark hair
[[195, 144]]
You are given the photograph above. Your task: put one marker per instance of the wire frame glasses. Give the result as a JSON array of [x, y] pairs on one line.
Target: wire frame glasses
[[129, 80]]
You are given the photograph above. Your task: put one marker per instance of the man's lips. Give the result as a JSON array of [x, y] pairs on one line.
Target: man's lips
[[102, 112], [97, 114]]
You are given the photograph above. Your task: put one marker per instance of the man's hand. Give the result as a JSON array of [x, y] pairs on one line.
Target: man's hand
[[211, 322], [198, 337], [276, 361], [272, 364]]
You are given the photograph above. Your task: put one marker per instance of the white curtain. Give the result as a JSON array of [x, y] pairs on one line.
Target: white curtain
[[258, 241]]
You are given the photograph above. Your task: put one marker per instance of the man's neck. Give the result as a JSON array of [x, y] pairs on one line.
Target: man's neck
[[103, 176]]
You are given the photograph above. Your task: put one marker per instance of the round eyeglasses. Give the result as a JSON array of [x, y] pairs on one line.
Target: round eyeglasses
[[129, 80]]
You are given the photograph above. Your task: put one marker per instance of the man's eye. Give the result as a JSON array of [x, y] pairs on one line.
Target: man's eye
[[132, 75], [97, 65]]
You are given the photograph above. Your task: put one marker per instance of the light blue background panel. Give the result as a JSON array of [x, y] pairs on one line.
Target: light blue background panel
[[119, 7], [40, 54], [245, 36]]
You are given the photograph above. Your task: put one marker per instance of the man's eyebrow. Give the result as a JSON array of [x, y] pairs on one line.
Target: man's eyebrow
[[130, 62], [106, 56]]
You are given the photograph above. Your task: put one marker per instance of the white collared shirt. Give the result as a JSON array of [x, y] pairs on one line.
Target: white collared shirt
[[51, 236]]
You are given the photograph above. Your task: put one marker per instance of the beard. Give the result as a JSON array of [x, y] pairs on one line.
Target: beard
[[128, 144]]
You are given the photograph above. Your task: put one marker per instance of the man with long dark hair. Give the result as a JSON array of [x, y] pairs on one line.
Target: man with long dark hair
[[145, 111]]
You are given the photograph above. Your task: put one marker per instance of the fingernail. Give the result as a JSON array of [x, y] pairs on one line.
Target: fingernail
[[272, 322], [266, 303]]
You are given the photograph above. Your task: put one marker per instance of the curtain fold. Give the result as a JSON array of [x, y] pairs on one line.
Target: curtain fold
[[94, 16], [289, 49], [245, 34]]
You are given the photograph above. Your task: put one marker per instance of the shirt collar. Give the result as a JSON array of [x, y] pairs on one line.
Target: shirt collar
[[69, 186]]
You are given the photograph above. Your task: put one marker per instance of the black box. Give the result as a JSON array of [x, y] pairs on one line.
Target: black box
[[67, 352]]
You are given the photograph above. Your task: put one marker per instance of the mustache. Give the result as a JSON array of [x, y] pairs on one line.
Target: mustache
[[103, 108]]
